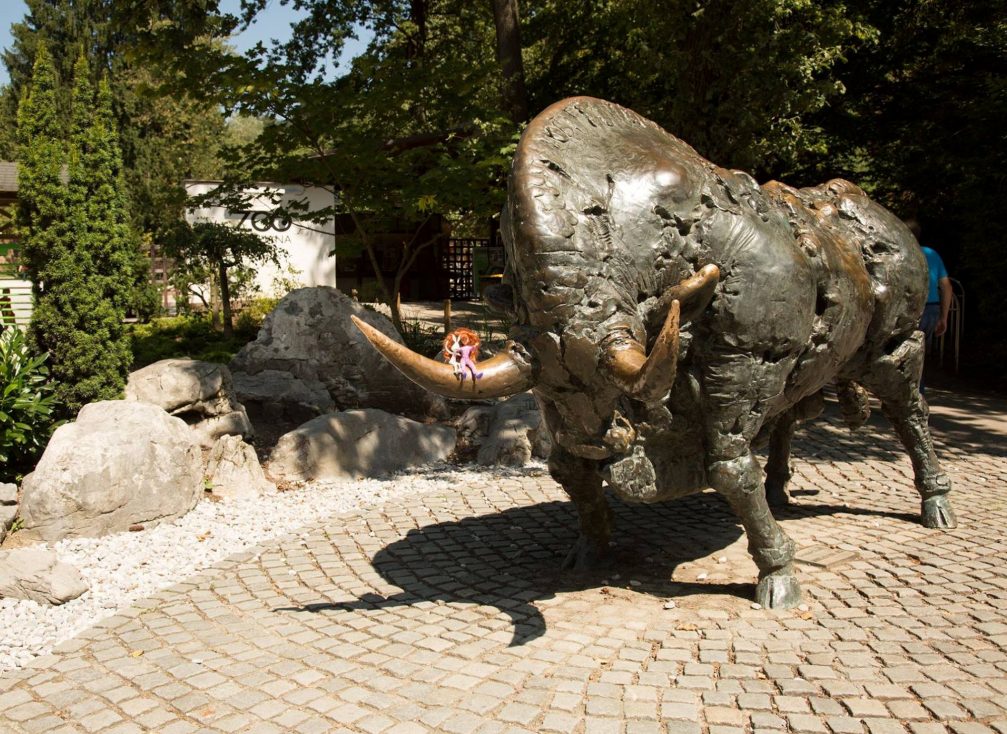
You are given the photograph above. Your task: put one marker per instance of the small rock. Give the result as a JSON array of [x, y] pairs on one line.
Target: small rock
[[37, 574], [670, 605], [8, 494], [634, 582], [120, 463], [200, 393], [135, 528], [234, 471], [722, 559], [756, 605], [514, 433], [702, 576], [7, 515], [803, 608]]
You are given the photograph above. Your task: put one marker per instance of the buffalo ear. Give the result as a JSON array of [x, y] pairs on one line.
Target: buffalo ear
[[500, 298]]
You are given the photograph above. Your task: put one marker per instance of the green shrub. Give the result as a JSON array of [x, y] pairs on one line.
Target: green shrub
[[425, 339], [253, 313], [26, 405], [184, 336]]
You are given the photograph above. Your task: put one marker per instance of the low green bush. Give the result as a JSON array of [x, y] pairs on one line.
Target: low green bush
[[27, 405], [425, 339], [186, 336]]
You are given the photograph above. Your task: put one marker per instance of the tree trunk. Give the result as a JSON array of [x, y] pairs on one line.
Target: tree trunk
[[416, 47], [214, 303], [388, 295], [225, 300], [508, 32]]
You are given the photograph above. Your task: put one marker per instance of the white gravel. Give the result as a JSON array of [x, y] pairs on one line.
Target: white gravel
[[125, 567]]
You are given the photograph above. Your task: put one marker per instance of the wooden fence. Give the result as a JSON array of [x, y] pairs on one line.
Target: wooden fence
[[15, 293]]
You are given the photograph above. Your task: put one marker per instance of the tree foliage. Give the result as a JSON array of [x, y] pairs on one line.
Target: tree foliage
[[904, 98], [163, 139], [735, 79], [75, 238], [922, 129], [414, 128]]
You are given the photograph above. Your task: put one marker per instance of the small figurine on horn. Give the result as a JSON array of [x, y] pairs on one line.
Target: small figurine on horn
[[461, 350]]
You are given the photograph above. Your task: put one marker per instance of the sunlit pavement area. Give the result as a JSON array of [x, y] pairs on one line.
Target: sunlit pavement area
[[449, 612]]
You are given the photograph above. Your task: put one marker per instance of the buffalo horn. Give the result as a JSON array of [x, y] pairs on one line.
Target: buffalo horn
[[508, 373], [650, 377]]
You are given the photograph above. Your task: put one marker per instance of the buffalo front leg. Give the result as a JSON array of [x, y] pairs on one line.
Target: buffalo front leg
[[739, 480], [894, 378], [581, 481]]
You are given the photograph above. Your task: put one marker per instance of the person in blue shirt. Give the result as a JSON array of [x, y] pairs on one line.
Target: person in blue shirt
[[934, 321]]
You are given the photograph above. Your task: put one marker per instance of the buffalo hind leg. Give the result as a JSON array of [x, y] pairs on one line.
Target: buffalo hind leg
[[782, 433], [778, 462], [895, 378], [581, 481], [739, 480]]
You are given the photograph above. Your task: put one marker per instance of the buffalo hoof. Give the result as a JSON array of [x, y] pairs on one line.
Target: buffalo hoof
[[937, 513], [778, 590], [587, 555]]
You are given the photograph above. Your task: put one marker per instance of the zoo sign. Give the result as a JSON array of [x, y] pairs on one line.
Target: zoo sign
[[263, 221]]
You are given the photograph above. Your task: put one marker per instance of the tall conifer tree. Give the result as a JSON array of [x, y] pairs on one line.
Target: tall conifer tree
[[42, 195], [78, 253]]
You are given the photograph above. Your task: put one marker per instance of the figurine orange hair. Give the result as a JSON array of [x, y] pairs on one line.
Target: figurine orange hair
[[461, 350]]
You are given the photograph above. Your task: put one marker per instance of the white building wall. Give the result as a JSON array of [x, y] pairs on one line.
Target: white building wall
[[305, 246]]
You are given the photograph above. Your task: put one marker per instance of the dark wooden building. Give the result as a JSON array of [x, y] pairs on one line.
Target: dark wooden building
[[444, 266]]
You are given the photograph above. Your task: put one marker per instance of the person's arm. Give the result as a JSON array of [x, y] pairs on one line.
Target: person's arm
[[945, 287]]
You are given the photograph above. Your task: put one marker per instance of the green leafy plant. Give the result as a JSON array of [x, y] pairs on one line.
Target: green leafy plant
[[422, 338], [253, 313], [186, 336], [26, 404]]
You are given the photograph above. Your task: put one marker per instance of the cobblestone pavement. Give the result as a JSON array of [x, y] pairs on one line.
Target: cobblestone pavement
[[447, 613]]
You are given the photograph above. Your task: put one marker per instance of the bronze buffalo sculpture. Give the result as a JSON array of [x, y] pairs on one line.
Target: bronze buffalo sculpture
[[670, 313]]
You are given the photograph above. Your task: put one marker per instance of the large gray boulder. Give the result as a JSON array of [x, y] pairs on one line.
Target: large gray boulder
[[357, 443], [309, 336], [37, 574], [120, 463], [200, 393], [277, 397]]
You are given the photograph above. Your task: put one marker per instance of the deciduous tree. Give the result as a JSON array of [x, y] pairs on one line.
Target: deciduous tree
[[208, 251]]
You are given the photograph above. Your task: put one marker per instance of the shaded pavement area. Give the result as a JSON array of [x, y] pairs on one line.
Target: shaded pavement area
[[448, 612]]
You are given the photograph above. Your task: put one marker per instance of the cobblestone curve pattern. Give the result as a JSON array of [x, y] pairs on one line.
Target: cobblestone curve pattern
[[447, 613]]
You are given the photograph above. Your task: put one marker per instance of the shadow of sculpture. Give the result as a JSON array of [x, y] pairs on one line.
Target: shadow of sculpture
[[509, 560], [962, 423]]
